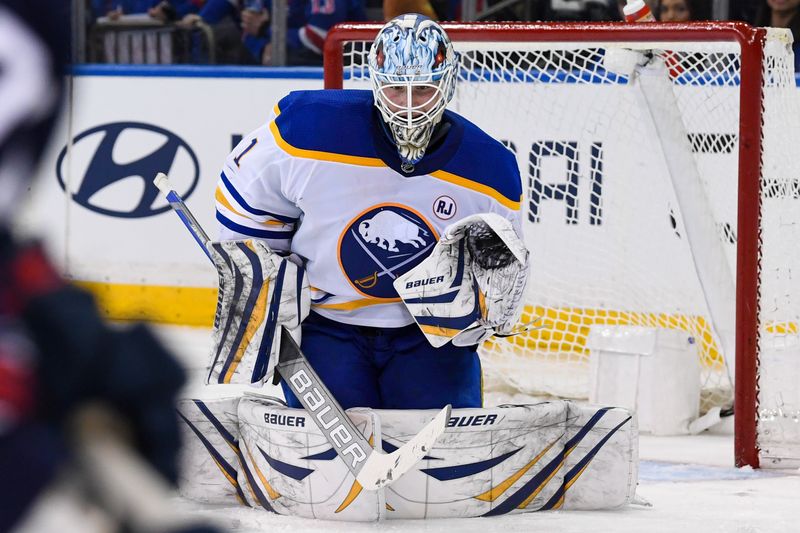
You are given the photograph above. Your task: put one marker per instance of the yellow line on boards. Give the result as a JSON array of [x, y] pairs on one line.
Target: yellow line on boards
[[563, 330], [188, 306]]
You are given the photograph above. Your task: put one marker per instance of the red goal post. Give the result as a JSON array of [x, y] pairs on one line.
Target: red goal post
[[751, 43]]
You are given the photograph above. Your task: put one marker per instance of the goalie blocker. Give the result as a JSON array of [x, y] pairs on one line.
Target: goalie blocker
[[512, 459], [259, 291]]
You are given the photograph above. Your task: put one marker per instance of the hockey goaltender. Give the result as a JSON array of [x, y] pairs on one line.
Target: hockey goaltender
[[388, 233]]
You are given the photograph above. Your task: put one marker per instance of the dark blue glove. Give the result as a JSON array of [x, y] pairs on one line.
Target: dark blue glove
[[81, 359]]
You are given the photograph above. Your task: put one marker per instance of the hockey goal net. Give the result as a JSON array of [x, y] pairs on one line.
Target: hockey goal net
[[661, 189]]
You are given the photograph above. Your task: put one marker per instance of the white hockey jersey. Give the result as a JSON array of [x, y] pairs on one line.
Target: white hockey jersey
[[322, 179]]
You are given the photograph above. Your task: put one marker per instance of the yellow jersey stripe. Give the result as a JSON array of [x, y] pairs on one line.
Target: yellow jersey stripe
[[376, 162], [478, 187], [319, 154], [219, 196], [356, 304]]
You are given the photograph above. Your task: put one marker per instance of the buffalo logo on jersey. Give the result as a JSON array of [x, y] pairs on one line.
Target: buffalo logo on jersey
[[382, 243]]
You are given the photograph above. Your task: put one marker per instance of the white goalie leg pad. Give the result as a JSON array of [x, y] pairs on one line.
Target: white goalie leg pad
[[603, 465], [259, 291], [209, 458], [488, 462], [515, 459], [554, 455], [292, 469], [452, 297]]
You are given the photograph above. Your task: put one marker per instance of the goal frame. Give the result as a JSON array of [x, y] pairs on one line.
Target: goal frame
[[751, 41]]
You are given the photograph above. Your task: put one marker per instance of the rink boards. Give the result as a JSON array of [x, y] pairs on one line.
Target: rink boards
[[113, 233]]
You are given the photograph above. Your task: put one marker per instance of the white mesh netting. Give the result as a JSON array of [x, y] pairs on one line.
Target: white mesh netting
[[779, 296], [616, 177]]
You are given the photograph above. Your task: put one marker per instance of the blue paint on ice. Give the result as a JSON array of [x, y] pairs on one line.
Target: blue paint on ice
[[662, 471]]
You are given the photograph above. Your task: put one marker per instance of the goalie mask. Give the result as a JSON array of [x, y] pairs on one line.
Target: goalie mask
[[412, 66]]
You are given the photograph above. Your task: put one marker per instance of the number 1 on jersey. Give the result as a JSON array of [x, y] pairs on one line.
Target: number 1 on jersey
[[240, 156]]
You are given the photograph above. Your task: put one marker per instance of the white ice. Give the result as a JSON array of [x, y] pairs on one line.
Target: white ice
[[689, 482]]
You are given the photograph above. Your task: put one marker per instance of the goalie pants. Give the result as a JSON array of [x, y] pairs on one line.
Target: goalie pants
[[388, 368]]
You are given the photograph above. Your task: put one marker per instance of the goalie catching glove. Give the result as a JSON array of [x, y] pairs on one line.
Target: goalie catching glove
[[471, 285], [259, 291]]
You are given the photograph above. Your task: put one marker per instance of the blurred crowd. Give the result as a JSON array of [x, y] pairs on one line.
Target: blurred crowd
[[240, 30]]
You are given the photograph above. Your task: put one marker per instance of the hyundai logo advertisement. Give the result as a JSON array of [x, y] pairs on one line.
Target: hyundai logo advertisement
[[127, 156], [95, 204]]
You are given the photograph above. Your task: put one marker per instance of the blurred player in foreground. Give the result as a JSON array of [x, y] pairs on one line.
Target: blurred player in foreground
[[56, 354], [399, 210]]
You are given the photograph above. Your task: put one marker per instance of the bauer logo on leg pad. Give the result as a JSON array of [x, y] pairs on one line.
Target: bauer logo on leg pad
[[284, 420], [464, 421]]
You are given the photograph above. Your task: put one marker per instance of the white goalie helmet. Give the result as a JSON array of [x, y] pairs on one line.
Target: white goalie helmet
[[412, 66]]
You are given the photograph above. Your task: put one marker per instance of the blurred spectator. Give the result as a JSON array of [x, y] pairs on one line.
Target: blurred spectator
[[307, 24], [255, 18], [213, 11], [113, 9], [163, 10], [682, 10], [395, 8], [548, 10], [224, 17], [782, 14], [579, 10], [139, 32], [744, 10], [170, 10]]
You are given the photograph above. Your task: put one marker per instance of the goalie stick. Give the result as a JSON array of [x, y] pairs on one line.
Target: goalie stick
[[124, 485], [176, 203], [372, 468]]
